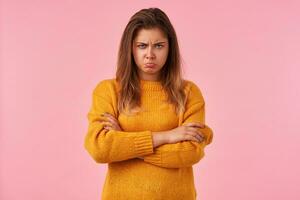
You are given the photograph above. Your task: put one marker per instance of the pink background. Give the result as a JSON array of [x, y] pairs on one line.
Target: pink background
[[244, 55]]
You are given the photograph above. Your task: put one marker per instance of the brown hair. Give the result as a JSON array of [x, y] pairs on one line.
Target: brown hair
[[127, 75]]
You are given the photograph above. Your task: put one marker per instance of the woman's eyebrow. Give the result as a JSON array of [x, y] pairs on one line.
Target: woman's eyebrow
[[154, 43]]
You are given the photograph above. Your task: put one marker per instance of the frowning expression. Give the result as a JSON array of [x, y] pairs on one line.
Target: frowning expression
[[150, 51]]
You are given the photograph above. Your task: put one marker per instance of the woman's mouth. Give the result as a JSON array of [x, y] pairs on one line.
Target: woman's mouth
[[150, 65]]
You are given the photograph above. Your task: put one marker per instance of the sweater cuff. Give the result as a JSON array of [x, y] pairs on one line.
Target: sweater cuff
[[143, 143], [154, 158]]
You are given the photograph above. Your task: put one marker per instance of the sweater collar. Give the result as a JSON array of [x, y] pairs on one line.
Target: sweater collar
[[150, 85]]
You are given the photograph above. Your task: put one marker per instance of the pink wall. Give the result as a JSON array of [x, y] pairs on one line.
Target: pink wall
[[244, 55]]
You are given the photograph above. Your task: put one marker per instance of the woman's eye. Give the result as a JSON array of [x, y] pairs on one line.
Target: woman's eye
[[141, 46]]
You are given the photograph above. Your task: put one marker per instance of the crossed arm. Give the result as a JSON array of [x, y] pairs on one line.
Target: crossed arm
[[107, 146]]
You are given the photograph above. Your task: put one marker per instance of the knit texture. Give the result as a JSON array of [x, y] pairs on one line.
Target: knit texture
[[136, 170]]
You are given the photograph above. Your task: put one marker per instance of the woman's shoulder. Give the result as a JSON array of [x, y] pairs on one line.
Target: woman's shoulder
[[193, 90], [190, 85], [105, 85]]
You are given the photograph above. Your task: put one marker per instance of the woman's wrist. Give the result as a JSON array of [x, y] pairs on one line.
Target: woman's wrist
[[159, 138]]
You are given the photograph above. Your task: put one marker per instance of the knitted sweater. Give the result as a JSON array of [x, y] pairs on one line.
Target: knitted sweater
[[136, 170]]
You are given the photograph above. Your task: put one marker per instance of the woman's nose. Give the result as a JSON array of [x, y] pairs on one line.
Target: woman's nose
[[150, 53]]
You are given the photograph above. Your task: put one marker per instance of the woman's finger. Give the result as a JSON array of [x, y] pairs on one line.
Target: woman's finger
[[196, 135], [200, 133], [195, 124], [196, 130], [106, 123], [108, 128], [111, 121], [200, 138], [190, 137], [110, 117]]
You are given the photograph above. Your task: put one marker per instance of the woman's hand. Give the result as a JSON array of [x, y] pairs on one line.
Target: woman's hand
[[110, 123], [186, 132]]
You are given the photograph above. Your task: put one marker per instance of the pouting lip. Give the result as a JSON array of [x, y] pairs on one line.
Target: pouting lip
[[150, 65]]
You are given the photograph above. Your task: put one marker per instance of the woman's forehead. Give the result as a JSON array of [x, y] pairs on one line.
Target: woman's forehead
[[154, 35]]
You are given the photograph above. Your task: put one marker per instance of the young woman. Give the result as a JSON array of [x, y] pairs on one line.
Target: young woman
[[148, 123]]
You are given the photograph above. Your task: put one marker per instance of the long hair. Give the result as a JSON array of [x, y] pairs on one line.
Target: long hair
[[127, 75]]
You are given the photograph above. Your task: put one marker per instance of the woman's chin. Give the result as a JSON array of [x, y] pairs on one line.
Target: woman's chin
[[150, 70]]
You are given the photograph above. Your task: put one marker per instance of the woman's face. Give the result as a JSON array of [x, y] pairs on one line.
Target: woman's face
[[150, 46]]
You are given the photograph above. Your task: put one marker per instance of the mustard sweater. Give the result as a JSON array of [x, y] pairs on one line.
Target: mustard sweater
[[136, 170]]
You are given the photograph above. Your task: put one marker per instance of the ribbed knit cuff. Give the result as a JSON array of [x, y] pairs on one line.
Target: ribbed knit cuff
[[143, 143], [154, 158]]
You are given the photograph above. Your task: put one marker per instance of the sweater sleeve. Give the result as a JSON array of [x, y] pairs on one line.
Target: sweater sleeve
[[185, 153], [106, 146]]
